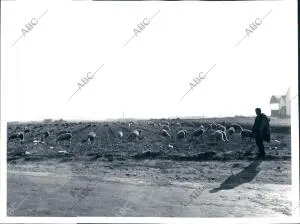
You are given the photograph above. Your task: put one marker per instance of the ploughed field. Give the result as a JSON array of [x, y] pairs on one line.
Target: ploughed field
[[149, 176], [108, 147]]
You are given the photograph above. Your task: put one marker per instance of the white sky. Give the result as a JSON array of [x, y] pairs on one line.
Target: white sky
[[147, 78]]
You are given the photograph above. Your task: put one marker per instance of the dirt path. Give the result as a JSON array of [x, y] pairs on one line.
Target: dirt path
[[151, 188]]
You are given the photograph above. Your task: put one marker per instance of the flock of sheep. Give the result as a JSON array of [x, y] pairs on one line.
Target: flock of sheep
[[216, 132]]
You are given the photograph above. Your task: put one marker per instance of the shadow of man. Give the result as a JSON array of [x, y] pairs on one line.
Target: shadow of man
[[245, 176]]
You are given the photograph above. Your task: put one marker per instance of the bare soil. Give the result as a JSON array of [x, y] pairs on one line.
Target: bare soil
[[147, 177]]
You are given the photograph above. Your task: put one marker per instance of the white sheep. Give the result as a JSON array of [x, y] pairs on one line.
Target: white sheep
[[91, 137], [166, 127], [231, 130], [135, 134], [217, 135], [237, 127], [221, 127], [181, 134], [120, 134], [222, 134]]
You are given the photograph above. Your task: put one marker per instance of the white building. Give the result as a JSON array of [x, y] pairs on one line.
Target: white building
[[281, 105]]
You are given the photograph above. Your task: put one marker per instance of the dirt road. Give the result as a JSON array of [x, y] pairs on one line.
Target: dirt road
[[162, 188]]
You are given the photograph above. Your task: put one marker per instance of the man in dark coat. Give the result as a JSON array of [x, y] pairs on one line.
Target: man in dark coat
[[261, 131]]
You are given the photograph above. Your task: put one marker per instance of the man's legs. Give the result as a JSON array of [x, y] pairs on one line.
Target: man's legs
[[260, 145]]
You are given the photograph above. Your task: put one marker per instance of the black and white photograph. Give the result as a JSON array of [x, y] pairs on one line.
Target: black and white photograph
[[149, 111]]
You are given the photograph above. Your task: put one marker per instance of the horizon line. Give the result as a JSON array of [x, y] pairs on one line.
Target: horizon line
[[127, 119]]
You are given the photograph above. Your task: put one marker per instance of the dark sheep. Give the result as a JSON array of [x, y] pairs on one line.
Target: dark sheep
[[45, 135], [165, 134], [19, 135], [26, 130], [13, 136], [198, 133], [64, 137], [247, 134]]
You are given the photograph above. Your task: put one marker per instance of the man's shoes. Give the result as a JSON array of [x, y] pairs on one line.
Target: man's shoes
[[261, 155]]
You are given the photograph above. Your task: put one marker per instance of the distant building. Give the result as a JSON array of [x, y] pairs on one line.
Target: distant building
[[288, 102], [281, 105]]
